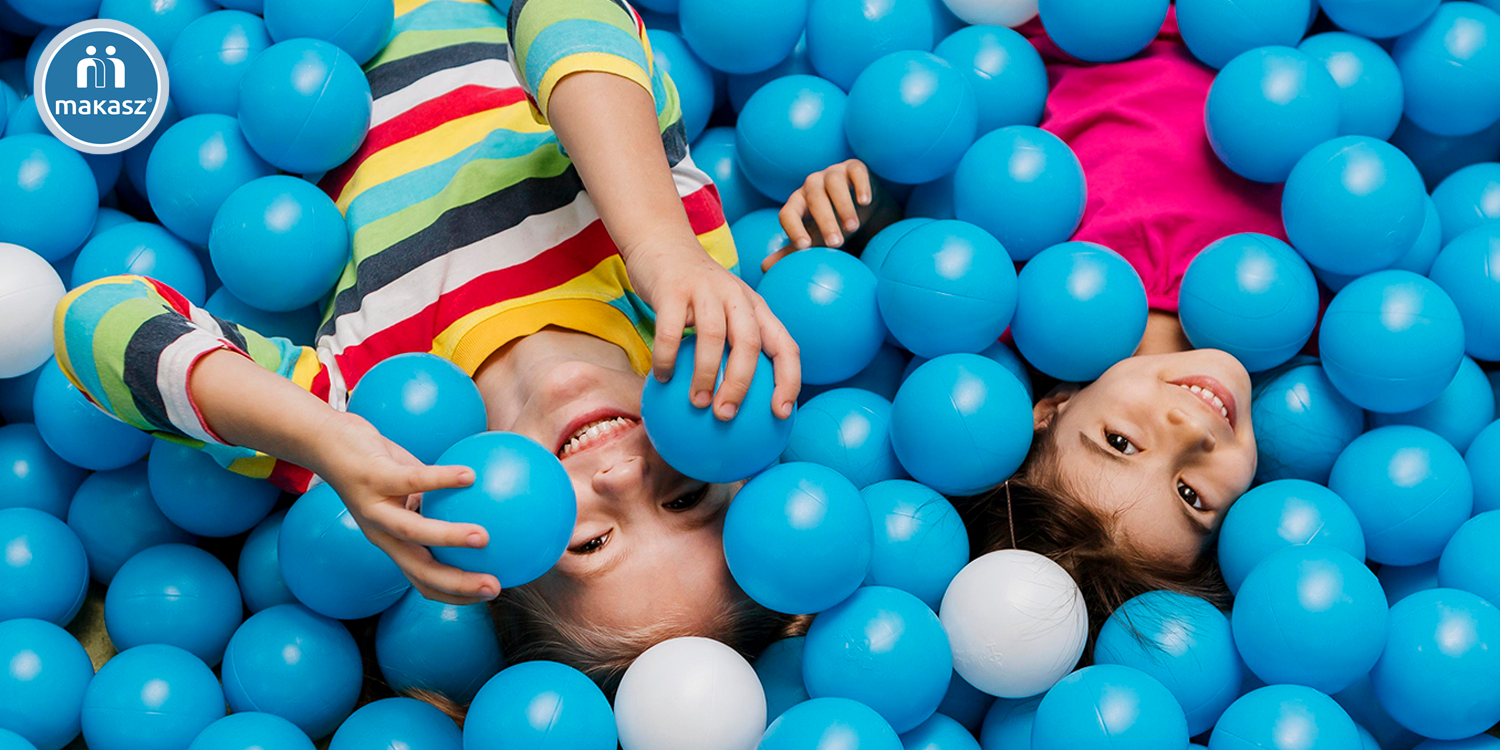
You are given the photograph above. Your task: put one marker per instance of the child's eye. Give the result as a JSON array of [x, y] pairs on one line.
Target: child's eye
[[592, 545], [688, 501], [1189, 495], [1121, 443]]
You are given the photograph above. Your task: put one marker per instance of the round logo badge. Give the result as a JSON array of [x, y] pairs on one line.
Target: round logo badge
[[101, 86]]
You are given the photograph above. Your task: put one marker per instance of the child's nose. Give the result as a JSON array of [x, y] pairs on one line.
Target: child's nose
[[1193, 432], [620, 476]]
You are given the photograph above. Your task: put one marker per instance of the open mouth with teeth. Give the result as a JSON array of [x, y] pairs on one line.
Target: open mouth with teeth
[[1213, 394], [594, 433]]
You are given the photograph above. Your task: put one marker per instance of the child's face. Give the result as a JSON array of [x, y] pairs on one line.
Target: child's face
[[1165, 462]]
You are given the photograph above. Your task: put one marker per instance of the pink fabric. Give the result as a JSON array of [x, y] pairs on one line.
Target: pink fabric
[[1156, 192]]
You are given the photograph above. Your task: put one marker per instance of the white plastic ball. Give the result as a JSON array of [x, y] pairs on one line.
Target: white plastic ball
[[690, 694], [1010, 13], [29, 291], [1016, 621]]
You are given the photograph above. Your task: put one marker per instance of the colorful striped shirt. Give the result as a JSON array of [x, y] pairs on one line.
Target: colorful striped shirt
[[470, 227]]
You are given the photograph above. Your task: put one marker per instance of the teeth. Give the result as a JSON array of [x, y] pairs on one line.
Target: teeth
[[1209, 396], [588, 433]]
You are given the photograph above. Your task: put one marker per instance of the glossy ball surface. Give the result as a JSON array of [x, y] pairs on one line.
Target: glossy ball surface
[[1102, 31], [44, 573], [29, 293], [966, 397], [295, 664], [1284, 513], [1284, 717], [358, 27], [1447, 65], [49, 193], [714, 152], [1005, 71], [210, 56], [449, 649], [911, 116], [43, 683], [830, 724], [194, 167], [284, 223], [790, 128], [251, 730], [827, 301], [1483, 454], [397, 723], [757, 235], [1302, 424], [1354, 205], [177, 595], [143, 249], [1466, 407], [742, 36], [1268, 108], [1098, 286], [31, 475], [259, 567], [779, 668], [1370, 90], [198, 495], [1108, 705], [421, 402], [947, 287], [846, 37], [115, 517], [1471, 560], [847, 430], [304, 105], [1438, 676], [542, 705], [1250, 295], [1466, 270], [1217, 31], [1468, 198], [689, 693], [78, 431], [1409, 489], [152, 697], [1024, 186], [920, 540], [330, 565]]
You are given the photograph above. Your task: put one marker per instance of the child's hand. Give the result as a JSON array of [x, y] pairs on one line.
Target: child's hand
[[382, 485], [829, 197], [687, 288]]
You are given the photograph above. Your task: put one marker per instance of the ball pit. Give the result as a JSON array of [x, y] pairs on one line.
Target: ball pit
[[1466, 271], [1354, 205], [1268, 108], [1024, 186], [44, 574], [847, 430], [911, 116], [358, 27], [1216, 31], [176, 595], [845, 37], [662, 702], [919, 539], [161, 22], [304, 105], [428, 645], [946, 287], [142, 249], [742, 36], [1409, 489], [1005, 71], [827, 301], [1370, 90], [259, 568], [1436, 676], [714, 152], [970, 398], [297, 326], [1252, 296], [43, 701], [1302, 424], [283, 223], [399, 722], [1101, 287], [828, 724], [1469, 561], [193, 168], [152, 697], [1283, 513], [1482, 453], [39, 176], [115, 517], [1108, 704], [1467, 199], [1464, 409], [757, 235], [790, 128], [209, 58], [542, 705], [1284, 717], [1101, 31], [692, 77], [779, 668], [251, 730], [29, 291], [330, 565], [1445, 66]]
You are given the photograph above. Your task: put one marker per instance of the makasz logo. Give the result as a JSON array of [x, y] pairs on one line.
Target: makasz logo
[[101, 86]]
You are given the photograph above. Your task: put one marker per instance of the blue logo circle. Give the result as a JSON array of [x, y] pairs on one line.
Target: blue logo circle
[[101, 86]]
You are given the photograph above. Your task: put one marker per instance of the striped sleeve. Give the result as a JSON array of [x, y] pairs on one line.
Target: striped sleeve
[[552, 39]]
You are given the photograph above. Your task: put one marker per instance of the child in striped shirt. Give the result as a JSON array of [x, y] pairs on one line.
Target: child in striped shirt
[[522, 204]]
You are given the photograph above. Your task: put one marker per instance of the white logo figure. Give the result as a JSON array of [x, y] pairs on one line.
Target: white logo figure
[[93, 69]]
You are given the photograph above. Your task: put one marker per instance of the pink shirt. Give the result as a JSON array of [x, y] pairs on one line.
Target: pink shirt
[[1156, 192]]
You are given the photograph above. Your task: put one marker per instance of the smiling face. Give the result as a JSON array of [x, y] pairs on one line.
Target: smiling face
[[1161, 444]]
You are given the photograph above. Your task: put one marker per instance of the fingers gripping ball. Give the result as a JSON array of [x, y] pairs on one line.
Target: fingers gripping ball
[[305, 106], [397, 722], [1252, 296], [884, 648], [1284, 717], [29, 291], [177, 595], [1182, 641], [1468, 269], [1370, 90], [1471, 561], [1448, 67], [947, 287], [44, 573], [1216, 31], [152, 697], [967, 398], [1108, 705], [251, 730], [847, 430], [300, 666], [1354, 205], [920, 540], [42, 703], [50, 196], [695, 442], [1007, 597], [742, 36], [1437, 676], [790, 128], [1409, 489], [1024, 186], [197, 494], [209, 58], [259, 568], [421, 402], [1100, 30], [1391, 341], [690, 694], [1098, 286], [358, 27], [797, 538], [542, 705], [911, 116], [423, 644], [1280, 514], [283, 223], [827, 300], [194, 166], [143, 249], [830, 724], [844, 37], [330, 565], [521, 495], [1267, 108]]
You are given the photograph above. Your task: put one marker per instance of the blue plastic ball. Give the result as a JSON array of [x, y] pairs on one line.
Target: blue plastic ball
[[1370, 92], [43, 683], [884, 648], [44, 573], [1354, 205], [16, 396], [947, 287], [1284, 717], [1252, 296], [1217, 31], [1438, 676], [1268, 108], [1466, 407], [152, 697], [1024, 186], [1409, 489], [1284, 513], [1005, 71], [24, 118], [1391, 341], [880, 246], [1108, 705], [827, 301], [1364, 708], [540, 705], [1302, 424], [693, 78], [1448, 67], [1471, 561], [251, 730], [177, 595], [115, 517], [1381, 19], [966, 398], [847, 430], [757, 235], [1101, 30], [790, 128], [330, 565], [397, 723], [715, 153], [805, 507], [31, 475], [143, 249], [882, 377], [421, 402], [779, 668], [1468, 269], [295, 664], [741, 87], [830, 724], [845, 37], [194, 492], [210, 56], [920, 542], [965, 704], [285, 223], [1468, 198], [1483, 455], [1183, 642], [11, 741], [259, 568], [1008, 724], [138, 158], [1071, 282], [193, 167], [446, 648], [911, 116], [50, 195], [78, 431], [939, 733], [358, 27], [161, 22], [1418, 259], [932, 200], [297, 326], [304, 105], [43, 38], [742, 36], [521, 495], [56, 12]]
